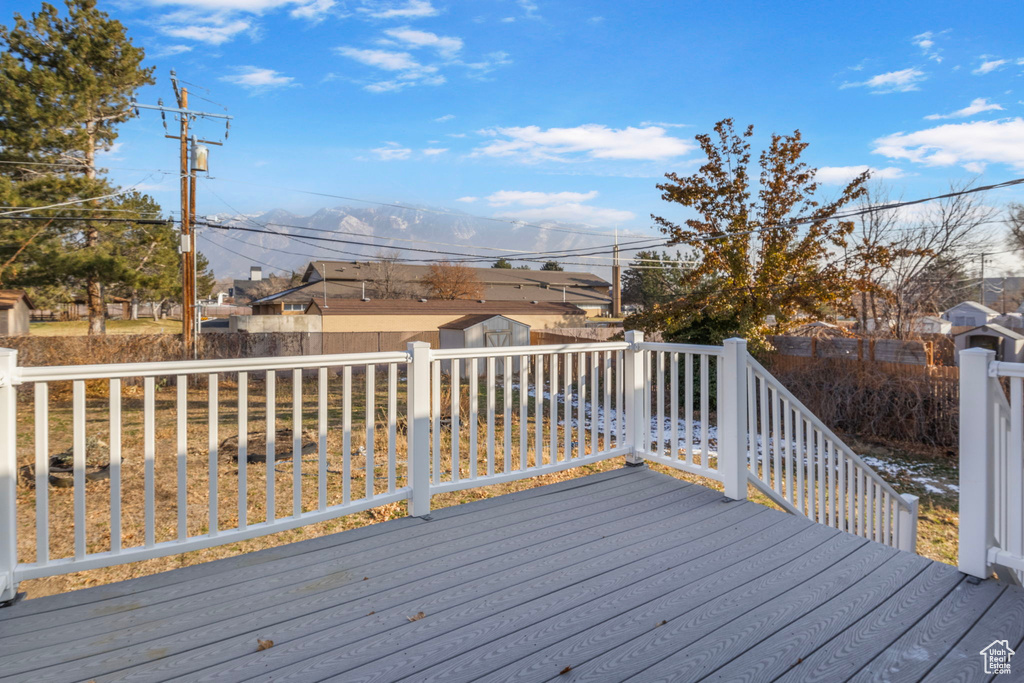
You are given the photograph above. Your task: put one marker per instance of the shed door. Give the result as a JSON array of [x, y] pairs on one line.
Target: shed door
[[498, 338]]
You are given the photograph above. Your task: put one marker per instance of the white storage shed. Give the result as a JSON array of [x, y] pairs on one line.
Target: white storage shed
[[484, 331]]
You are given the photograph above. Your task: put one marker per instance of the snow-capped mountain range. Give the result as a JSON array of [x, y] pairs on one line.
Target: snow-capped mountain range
[[354, 233]]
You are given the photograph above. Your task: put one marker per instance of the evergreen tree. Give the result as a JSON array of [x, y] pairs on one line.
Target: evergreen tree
[[66, 83], [502, 263], [552, 265], [653, 279]]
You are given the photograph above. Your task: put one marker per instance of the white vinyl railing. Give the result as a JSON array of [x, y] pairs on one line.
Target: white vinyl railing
[[803, 466], [127, 462], [991, 467]]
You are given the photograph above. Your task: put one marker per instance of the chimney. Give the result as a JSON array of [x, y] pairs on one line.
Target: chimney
[[255, 273]]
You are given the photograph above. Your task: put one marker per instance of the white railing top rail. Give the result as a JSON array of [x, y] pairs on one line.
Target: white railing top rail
[[828, 433], [535, 350], [1005, 369], [682, 348], [55, 373]]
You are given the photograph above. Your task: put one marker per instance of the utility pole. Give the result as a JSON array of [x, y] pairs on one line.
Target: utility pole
[[982, 299], [616, 280], [198, 159]]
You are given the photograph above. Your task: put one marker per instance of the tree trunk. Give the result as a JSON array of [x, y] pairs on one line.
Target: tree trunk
[[93, 289], [133, 307]]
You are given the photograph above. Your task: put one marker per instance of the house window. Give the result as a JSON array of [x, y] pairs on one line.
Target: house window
[[295, 307]]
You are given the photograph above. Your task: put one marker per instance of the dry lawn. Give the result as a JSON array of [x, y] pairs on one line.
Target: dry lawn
[[73, 328]]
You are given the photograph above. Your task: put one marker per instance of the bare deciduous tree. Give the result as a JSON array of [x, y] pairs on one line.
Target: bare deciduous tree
[[386, 279], [447, 280], [918, 267]]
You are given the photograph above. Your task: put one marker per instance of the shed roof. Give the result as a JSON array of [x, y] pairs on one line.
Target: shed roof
[[439, 307], [992, 327], [10, 297], [467, 321]]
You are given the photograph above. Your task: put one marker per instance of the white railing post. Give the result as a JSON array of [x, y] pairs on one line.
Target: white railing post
[[418, 456], [8, 474], [976, 455], [907, 524], [634, 399], [732, 420]]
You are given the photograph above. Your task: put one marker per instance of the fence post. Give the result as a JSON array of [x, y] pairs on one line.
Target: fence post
[[908, 524], [732, 426], [8, 474], [419, 428], [634, 399], [976, 454]]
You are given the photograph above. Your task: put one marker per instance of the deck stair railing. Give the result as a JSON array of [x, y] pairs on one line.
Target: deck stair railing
[[107, 464], [991, 466]]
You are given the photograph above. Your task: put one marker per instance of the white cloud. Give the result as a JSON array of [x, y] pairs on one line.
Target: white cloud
[[446, 46], [382, 59], [840, 175], [530, 8], [507, 197], [408, 71], [314, 10], [456, 135], [967, 144], [594, 141], [905, 80], [926, 42], [434, 151], [446, 117], [467, 200], [990, 65], [392, 151], [662, 124], [257, 79], [212, 34], [555, 206], [508, 20], [572, 213], [976, 106], [413, 9], [170, 51], [216, 22]]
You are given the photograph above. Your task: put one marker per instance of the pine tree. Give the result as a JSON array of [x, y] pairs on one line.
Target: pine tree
[[66, 82]]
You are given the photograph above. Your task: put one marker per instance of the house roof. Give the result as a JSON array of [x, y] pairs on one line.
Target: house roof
[[353, 289], [975, 305], [992, 327], [362, 270], [10, 297], [467, 321], [439, 307]]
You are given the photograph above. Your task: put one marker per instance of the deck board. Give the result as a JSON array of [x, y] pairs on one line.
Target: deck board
[[629, 574]]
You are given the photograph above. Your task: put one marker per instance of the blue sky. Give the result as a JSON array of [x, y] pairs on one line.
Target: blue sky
[[568, 110]]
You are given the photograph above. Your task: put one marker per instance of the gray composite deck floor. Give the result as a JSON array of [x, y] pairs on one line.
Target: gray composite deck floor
[[625, 575]]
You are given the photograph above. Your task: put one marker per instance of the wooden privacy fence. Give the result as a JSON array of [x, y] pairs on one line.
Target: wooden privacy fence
[[316, 437], [874, 350]]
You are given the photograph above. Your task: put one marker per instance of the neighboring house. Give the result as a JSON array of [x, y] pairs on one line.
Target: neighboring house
[[356, 280], [930, 324], [15, 308], [244, 292], [969, 314], [1008, 345], [408, 315]]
